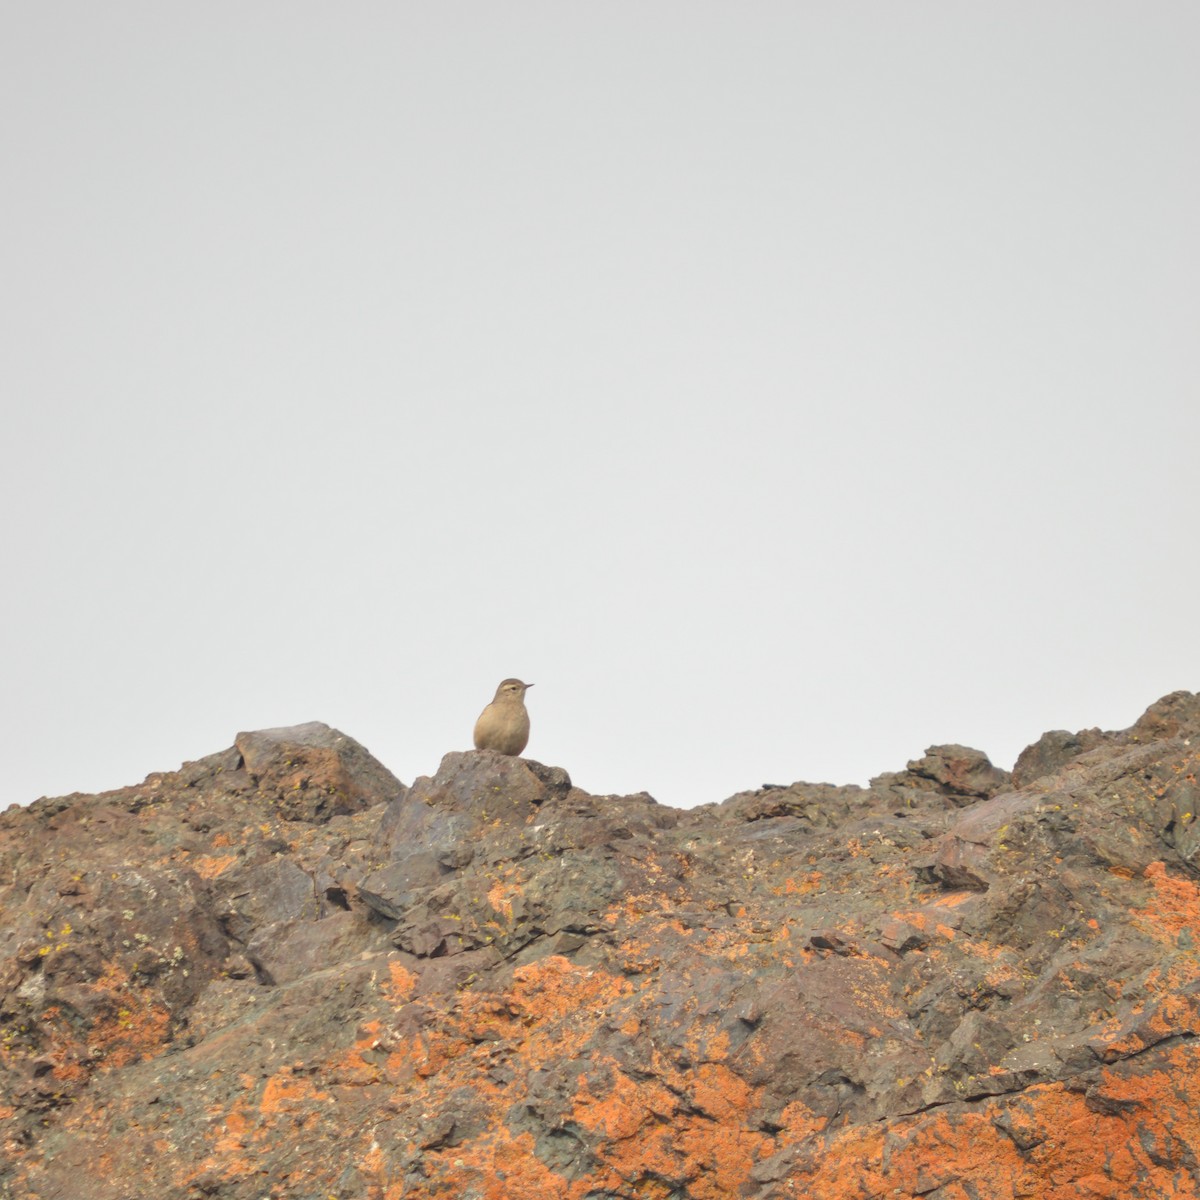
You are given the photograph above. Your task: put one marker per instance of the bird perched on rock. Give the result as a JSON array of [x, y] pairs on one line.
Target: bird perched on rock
[[504, 725]]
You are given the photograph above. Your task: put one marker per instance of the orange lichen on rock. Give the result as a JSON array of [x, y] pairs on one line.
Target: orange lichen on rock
[[1178, 975], [424, 1056], [131, 1025], [807, 883], [209, 866], [871, 991], [917, 918], [718, 1159], [1175, 908], [554, 987], [500, 1166], [619, 1110], [500, 896], [1048, 1142], [285, 1090], [798, 1122], [694, 1133], [400, 984], [232, 1136], [633, 908], [352, 1067], [719, 1093]]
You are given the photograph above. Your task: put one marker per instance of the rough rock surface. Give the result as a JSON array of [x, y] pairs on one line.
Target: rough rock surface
[[278, 973]]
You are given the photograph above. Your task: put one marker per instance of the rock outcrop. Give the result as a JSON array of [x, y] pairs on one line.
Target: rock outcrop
[[278, 972]]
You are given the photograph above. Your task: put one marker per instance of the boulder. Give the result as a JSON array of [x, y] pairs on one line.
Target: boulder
[[311, 772]]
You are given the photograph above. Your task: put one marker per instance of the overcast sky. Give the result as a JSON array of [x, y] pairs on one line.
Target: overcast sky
[[781, 387]]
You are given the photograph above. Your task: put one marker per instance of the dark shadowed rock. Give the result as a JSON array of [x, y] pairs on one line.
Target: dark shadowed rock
[[278, 972]]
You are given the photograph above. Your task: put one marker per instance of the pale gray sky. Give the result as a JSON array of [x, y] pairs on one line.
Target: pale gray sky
[[781, 387]]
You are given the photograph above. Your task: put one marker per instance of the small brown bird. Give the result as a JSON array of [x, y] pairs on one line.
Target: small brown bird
[[504, 725]]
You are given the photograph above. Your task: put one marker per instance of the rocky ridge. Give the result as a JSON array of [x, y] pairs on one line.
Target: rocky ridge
[[278, 972]]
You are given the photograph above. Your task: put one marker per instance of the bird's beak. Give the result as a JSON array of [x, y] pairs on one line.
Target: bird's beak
[[529, 685]]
